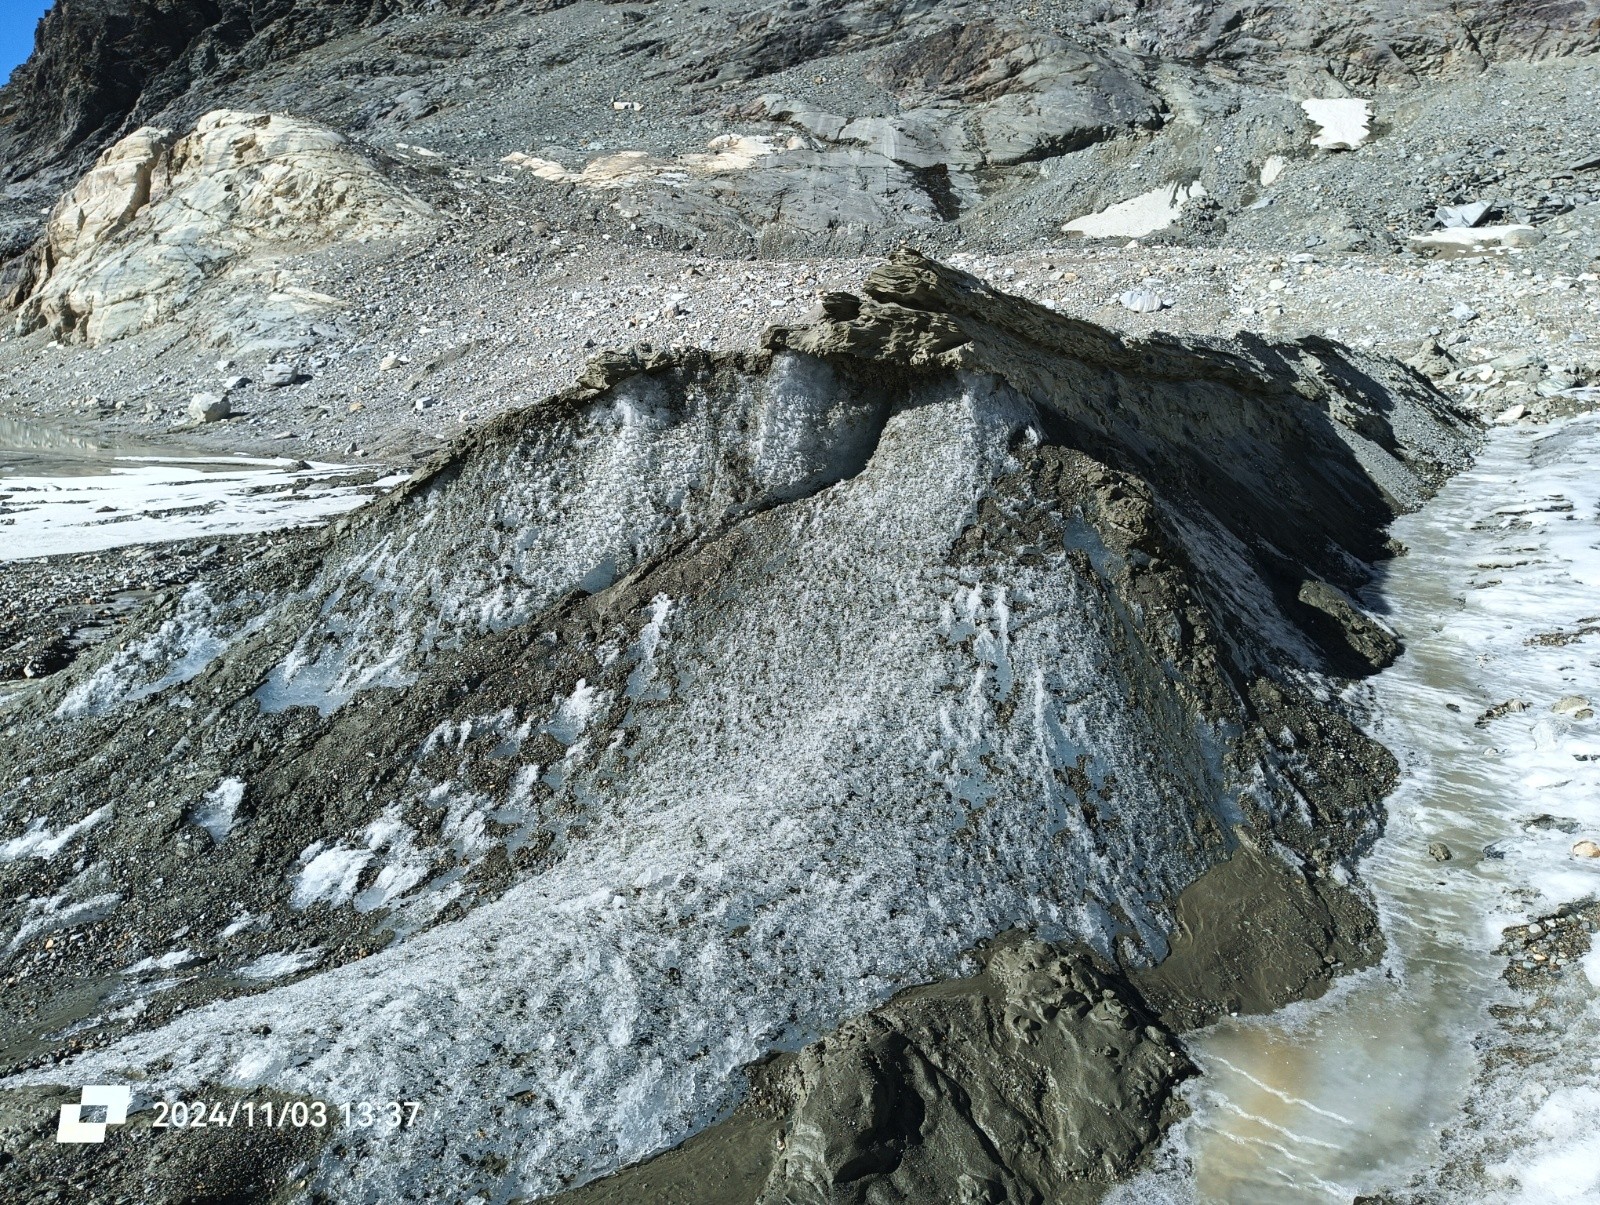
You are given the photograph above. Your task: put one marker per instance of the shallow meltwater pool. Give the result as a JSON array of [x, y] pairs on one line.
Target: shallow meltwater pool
[[63, 493], [1429, 1076]]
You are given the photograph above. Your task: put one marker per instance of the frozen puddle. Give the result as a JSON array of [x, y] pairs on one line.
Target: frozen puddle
[[62, 495], [1401, 1076]]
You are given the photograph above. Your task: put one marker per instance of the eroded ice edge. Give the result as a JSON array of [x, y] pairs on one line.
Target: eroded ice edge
[[1350, 1094]]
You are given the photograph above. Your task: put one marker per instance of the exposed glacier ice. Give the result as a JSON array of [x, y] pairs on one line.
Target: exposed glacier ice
[[219, 810], [741, 882], [37, 841]]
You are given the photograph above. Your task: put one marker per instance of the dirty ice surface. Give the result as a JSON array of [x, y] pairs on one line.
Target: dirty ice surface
[[1499, 601], [68, 494], [820, 728]]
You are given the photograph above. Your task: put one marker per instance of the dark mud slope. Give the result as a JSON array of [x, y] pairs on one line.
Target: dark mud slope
[[1038, 1079], [694, 712]]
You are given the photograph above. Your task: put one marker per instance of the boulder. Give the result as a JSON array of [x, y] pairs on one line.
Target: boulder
[[279, 374], [959, 1083], [1462, 240], [1453, 216], [1141, 301], [209, 407]]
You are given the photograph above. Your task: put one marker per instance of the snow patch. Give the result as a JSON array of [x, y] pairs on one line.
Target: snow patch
[[572, 713], [153, 501], [37, 841], [1343, 124], [643, 650], [1138, 216], [51, 915], [248, 920], [172, 960], [218, 810]]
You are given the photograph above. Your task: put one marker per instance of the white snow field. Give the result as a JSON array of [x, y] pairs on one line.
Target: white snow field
[[143, 500]]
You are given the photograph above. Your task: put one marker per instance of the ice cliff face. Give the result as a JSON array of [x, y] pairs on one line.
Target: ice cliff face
[[701, 708]]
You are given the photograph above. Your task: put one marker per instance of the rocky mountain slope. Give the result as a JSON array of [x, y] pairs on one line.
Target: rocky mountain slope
[[866, 121]]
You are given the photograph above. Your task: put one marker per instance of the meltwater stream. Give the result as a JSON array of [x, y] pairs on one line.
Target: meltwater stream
[[1498, 601]]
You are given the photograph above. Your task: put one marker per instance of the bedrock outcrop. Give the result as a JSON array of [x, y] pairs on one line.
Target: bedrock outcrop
[[706, 707], [159, 218]]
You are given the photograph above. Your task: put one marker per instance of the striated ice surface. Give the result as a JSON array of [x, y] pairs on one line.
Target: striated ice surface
[[625, 477]]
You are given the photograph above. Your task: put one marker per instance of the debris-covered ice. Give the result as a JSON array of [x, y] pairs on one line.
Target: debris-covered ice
[[620, 736]]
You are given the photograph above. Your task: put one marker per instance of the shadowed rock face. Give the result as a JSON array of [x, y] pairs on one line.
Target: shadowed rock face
[[704, 707], [1367, 436], [1367, 42], [101, 67], [94, 62]]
